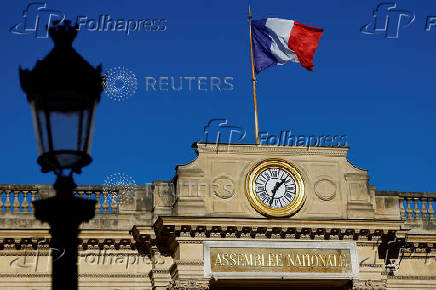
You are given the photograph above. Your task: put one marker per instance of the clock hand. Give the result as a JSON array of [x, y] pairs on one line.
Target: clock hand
[[281, 183], [274, 190], [278, 184], [273, 193]]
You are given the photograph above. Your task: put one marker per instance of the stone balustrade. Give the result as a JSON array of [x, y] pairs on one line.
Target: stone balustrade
[[409, 206], [19, 198], [417, 206], [412, 207]]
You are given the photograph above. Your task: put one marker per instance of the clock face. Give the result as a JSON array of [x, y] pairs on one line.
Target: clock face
[[274, 187]]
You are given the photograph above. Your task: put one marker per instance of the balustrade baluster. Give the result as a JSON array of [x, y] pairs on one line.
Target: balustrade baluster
[[402, 210], [114, 204], [423, 208], [25, 203], [80, 193], [1, 197], [408, 208], [7, 201], [416, 209], [431, 208], [97, 205], [16, 202], [105, 203], [32, 198]]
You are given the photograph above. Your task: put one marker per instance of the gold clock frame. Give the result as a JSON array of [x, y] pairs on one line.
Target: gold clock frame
[[258, 205]]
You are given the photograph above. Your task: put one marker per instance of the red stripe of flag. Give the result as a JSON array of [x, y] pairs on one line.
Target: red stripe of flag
[[303, 40]]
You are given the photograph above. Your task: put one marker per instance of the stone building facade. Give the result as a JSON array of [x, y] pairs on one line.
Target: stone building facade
[[205, 229]]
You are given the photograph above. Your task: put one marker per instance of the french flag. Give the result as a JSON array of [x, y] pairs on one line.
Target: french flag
[[277, 41]]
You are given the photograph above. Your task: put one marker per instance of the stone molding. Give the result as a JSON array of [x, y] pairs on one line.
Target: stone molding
[[86, 244], [81, 275], [369, 284], [170, 231], [288, 150], [410, 277], [189, 284]]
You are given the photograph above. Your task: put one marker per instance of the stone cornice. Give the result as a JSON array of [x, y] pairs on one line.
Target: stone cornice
[[19, 187], [386, 225], [170, 231], [269, 149], [81, 275], [405, 194], [422, 238], [88, 239], [144, 238], [411, 277]]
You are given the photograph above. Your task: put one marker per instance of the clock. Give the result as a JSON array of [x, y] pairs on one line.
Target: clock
[[275, 188]]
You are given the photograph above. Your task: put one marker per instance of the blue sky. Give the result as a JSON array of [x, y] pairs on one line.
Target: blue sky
[[379, 92]]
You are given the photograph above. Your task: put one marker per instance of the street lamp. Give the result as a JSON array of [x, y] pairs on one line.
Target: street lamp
[[63, 90]]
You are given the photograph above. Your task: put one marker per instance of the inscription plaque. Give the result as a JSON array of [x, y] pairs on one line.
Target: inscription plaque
[[311, 260]]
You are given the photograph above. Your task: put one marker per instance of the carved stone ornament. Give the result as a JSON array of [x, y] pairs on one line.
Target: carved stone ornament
[[223, 187], [189, 285], [325, 189], [369, 285]]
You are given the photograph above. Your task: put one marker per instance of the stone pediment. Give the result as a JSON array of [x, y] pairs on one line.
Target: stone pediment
[[214, 184]]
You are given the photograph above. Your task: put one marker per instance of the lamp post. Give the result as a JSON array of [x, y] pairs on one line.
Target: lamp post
[[63, 90]]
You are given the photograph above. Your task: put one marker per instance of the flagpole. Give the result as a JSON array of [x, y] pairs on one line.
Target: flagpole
[[256, 121]]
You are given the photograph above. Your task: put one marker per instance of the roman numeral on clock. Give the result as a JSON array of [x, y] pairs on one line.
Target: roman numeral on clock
[[285, 200], [290, 187], [277, 203], [262, 195], [260, 188], [289, 196], [268, 176], [274, 173]]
